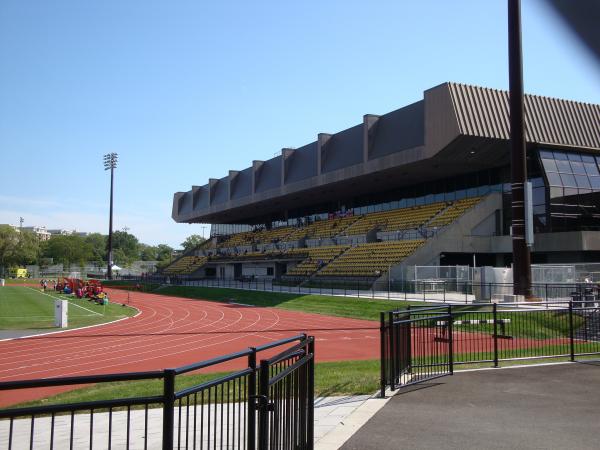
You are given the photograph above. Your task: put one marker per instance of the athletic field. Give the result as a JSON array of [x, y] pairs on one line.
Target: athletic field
[[26, 308]]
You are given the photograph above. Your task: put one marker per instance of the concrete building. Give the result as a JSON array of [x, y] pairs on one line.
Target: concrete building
[[451, 145]]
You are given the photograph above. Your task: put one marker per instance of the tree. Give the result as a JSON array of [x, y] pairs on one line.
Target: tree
[[192, 242], [128, 246], [148, 252], [98, 243], [68, 250], [28, 248], [18, 248], [164, 252], [9, 239]]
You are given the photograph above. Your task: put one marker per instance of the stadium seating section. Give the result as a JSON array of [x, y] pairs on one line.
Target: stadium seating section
[[370, 260], [363, 260], [186, 265], [454, 211], [260, 236], [317, 258]]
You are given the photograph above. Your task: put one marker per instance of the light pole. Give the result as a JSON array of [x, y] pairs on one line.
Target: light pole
[[521, 256], [110, 163]]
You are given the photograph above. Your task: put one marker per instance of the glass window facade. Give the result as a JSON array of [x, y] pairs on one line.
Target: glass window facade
[[573, 189]]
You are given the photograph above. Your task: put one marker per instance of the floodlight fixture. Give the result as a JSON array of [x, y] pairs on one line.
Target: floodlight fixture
[[110, 163]]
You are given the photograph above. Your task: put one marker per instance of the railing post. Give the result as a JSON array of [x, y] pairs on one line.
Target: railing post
[[382, 353], [392, 350], [450, 340], [571, 331], [495, 319], [263, 413], [168, 408], [251, 401], [311, 394]]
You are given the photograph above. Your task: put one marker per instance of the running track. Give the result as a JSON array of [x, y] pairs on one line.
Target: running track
[[170, 332]]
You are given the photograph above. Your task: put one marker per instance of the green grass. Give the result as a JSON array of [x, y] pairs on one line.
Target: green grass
[[357, 308], [331, 378], [24, 308], [21, 281]]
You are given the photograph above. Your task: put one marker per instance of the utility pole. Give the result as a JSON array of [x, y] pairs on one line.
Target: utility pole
[[110, 163], [521, 256], [21, 220]]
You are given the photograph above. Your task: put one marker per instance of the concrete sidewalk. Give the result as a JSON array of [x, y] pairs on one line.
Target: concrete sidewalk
[[542, 407], [329, 413]]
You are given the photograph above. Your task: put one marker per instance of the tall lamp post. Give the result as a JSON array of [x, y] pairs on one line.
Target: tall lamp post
[[521, 256], [110, 163]]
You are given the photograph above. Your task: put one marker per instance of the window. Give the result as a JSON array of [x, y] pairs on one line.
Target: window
[[563, 166], [591, 169], [578, 168], [270, 271]]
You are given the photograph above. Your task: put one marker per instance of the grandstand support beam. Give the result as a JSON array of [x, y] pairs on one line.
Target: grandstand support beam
[[322, 141], [233, 174], [369, 129], [256, 169], [286, 157], [212, 184], [195, 195], [521, 256]]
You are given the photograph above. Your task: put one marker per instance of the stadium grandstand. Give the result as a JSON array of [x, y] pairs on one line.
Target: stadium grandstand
[[427, 184]]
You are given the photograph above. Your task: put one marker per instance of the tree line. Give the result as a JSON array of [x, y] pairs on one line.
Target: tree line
[[20, 248]]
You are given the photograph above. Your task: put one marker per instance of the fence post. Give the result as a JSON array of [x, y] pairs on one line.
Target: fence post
[[263, 413], [495, 319], [168, 408], [251, 400], [311, 393], [392, 351], [571, 331], [382, 352], [450, 340]]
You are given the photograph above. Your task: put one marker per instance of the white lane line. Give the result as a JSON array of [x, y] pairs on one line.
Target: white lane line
[[58, 298]]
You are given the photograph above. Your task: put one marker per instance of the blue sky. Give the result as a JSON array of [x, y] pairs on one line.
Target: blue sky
[[186, 90]]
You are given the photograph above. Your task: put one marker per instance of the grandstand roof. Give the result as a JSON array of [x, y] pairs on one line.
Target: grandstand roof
[[455, 129]]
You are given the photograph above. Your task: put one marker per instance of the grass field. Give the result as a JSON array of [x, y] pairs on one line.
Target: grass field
[[331, 378], [24, 308], [357, 308]]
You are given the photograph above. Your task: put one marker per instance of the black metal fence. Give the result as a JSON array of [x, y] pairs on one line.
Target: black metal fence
[[409, 351], [421, 343], [451, 291], [264, 406]]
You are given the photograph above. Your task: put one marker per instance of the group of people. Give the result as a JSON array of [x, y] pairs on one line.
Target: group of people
[[91, 290]]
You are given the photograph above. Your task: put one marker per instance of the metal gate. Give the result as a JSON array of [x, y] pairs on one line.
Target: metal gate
[[416, 346], [286, 397]]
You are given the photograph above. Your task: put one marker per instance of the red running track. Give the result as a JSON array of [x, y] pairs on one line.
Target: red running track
[[170, 332]]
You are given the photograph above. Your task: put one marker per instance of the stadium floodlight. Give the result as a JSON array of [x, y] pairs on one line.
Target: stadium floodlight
[[110, 163]]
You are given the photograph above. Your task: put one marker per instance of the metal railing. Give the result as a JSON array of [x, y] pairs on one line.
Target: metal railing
[[420, 343], [444, 291], [261, 406]]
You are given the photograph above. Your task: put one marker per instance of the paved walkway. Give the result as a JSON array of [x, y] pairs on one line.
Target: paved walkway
[[329, 413], [551, 407]]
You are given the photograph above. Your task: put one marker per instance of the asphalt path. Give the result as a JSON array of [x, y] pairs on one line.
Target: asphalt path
[[551, 407]]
